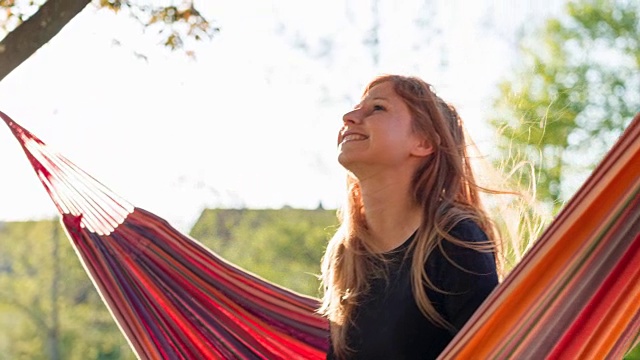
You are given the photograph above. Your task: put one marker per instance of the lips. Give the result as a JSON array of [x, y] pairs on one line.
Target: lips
[[352, 136]]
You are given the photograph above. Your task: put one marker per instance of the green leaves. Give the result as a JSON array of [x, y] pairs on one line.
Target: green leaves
[[177, 23], [284, 246], [48, 306], [577, 89]]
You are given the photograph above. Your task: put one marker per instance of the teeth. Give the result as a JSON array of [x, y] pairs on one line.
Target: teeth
[[351, 137]]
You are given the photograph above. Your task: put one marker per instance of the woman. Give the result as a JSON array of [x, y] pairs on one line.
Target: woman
[[415, 254]]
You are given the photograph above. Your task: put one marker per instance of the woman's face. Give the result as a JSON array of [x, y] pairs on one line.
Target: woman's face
[[378, 133]]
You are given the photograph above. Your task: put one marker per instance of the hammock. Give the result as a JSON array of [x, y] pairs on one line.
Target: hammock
[[575, 295], [171, 297]]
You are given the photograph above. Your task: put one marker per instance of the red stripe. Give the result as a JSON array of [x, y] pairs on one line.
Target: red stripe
[[624, 278]]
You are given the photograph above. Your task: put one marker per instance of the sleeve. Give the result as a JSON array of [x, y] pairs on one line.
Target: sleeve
[[466, 275]]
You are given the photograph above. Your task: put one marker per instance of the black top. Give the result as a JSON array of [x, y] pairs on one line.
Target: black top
[[389, 325]]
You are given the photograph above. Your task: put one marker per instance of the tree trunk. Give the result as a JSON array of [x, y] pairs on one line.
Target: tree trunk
[[36, 31]]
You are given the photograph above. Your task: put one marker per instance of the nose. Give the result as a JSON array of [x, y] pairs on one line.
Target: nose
[[352, 117]]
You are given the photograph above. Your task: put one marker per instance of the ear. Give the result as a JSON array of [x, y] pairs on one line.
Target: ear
[[422, 148]]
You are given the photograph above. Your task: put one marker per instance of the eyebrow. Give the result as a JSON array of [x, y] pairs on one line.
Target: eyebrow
[[375, 98]]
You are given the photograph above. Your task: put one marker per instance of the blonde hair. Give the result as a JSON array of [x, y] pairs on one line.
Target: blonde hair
[[443, 185]]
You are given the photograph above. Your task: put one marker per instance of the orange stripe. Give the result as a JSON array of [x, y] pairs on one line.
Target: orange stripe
[[512, 320]]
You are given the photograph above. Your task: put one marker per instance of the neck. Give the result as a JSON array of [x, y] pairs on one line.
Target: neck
[[391, 212]]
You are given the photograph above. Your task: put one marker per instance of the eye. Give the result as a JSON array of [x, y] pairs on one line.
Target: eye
[[378, 108]]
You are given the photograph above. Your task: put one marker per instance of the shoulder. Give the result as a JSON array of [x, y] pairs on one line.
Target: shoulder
[[470, 249], [469, 231], [464, 272]]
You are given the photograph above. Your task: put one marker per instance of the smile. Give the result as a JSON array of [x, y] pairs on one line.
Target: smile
[[353, 137]]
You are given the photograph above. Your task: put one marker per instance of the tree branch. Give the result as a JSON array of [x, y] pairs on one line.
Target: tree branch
[[36, 31]]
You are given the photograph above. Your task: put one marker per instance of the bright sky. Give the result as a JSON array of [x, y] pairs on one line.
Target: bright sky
[[252, 121]]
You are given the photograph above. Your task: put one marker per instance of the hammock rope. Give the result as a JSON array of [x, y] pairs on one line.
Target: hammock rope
[[576, 294], [171, 297]]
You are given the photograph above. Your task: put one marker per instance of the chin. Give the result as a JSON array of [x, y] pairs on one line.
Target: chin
[[349, 163], [345, 160]]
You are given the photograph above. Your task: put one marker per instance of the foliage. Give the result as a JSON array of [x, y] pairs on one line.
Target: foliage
[[578, 88], [54, 312], [175, 24], [283, 246], [47, 300]]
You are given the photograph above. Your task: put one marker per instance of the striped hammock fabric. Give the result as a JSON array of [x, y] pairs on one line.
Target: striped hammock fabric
[[575, 295], [171, 297]]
